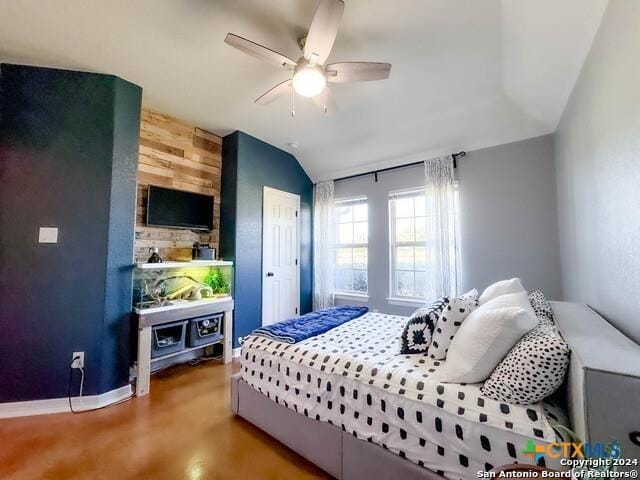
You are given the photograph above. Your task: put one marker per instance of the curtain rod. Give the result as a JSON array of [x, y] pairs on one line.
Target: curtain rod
[[376, 172]]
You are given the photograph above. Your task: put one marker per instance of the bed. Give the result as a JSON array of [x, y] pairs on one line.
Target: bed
[[346, 401]]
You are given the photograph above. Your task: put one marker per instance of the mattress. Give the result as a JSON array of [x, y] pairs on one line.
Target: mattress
[[353, 377]]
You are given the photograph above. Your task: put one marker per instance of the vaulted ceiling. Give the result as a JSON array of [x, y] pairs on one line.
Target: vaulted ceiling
[[466, 74]]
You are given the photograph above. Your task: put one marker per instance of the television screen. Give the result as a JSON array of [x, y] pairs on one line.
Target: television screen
[[177, 209]]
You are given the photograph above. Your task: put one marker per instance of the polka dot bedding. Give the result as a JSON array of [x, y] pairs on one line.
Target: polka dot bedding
[[353, 377]]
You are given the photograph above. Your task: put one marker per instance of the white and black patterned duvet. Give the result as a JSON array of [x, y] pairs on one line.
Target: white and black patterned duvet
[[353, 377]]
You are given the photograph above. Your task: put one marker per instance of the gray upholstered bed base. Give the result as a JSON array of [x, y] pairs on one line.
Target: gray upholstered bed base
[[327, 446], [603, 382]]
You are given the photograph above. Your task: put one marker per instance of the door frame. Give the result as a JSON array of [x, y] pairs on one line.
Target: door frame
[[266, 191]]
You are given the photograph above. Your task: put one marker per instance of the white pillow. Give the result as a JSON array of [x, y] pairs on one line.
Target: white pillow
[[518, 299], [502, 287], [486, 336]]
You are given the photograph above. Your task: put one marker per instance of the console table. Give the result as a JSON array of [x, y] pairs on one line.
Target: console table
[[150, 317]]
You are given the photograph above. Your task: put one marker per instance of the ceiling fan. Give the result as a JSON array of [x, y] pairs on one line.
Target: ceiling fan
[[310, 74]]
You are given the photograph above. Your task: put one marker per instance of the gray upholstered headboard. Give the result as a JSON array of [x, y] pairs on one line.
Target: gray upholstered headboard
[[603, 385]]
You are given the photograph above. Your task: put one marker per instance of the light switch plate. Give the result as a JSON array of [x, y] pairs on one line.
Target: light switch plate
[[48, 235]]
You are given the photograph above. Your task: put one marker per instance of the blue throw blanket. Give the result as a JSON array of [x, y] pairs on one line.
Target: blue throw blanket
[[295, 330]]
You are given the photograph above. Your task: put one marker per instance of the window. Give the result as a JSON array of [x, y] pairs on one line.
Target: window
[[351, 245], [410, 255]]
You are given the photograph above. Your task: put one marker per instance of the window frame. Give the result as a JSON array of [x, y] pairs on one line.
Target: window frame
[[341, 293], [394, 297]]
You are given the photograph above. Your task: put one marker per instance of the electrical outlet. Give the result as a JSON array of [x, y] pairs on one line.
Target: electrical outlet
[[78, 363]]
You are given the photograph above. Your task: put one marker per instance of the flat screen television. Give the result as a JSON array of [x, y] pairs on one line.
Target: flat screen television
[[171, 208]]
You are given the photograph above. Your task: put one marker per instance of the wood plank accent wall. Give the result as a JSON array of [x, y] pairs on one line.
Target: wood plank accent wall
[[178, 155]]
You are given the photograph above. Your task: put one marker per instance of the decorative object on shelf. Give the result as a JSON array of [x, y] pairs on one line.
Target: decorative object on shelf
[[203, 251], [217, 282], [177, 287], [155, 257], [155, 295], [184, 287]]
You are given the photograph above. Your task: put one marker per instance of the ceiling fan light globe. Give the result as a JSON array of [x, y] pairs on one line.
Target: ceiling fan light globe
[[309, 81]]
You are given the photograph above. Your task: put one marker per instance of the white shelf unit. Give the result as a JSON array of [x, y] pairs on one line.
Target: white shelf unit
[[147, 318], [181, 305], [188, 349], [193, 263]]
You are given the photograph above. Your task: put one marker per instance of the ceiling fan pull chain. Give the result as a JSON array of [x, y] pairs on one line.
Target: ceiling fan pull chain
[[324, 96], [293, 103]]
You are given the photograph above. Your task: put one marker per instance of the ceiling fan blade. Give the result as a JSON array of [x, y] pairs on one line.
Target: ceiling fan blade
[[326, 102], [276, 92], [323, 31], [346, 72], [258, 51]]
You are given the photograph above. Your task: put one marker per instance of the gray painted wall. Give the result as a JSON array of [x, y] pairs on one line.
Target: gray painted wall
[[508, 219], [598, 174]]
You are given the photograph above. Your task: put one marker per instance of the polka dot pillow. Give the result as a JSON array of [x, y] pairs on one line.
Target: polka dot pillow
[[542, 308], [532, 370], [416, 335], [449, 322]]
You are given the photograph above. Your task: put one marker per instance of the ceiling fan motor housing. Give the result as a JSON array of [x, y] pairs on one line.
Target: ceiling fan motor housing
[[308, 80]]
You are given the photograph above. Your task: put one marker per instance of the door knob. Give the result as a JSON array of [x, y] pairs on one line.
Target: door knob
[[269, 274]]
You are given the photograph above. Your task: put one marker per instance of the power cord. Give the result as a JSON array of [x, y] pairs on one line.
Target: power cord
[[71, 380], [199, 360], [133, 394]]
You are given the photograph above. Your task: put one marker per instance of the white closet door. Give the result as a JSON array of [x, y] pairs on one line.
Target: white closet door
[[280, 256]]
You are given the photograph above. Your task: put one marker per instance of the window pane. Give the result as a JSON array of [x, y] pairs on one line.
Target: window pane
[[343, 279], [404, 258], [360, 258], [404, 207], [345, 214], [343, 257], [420, 258], [360, 213], [360, 232], [421, 284], [351, 228], [421, 206], [345, 233], [404, 230], [421, 229], [404, 284], [360, 281]]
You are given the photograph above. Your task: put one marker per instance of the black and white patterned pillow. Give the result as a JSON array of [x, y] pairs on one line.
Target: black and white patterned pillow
[[532, 370], [449, 322], [416, 335], [542, 308]]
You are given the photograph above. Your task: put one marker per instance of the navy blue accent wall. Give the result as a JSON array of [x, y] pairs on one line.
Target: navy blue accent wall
[[248, 165], [118, 292], [68, 156]]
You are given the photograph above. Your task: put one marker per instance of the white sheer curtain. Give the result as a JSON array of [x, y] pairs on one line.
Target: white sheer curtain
[[323, 257], [442, 231]]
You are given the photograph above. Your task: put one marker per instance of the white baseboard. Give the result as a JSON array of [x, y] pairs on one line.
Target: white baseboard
[[236, 353], [61, 405]]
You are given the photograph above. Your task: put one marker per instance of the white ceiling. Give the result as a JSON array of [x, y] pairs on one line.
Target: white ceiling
[[466, 74]]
